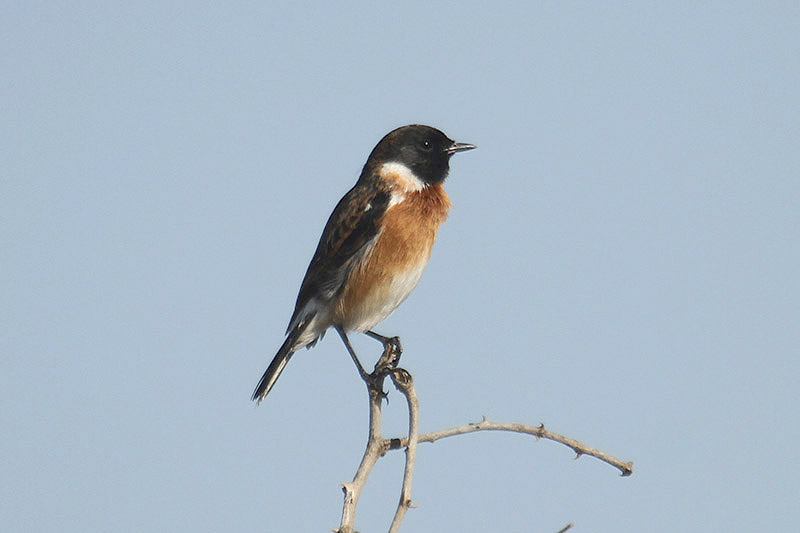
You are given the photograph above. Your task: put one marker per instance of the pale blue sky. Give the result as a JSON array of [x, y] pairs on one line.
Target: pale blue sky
[[621, 263]]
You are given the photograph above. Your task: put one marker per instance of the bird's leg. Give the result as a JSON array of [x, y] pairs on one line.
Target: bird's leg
[[364, 374], [392, 349], [374, 380]]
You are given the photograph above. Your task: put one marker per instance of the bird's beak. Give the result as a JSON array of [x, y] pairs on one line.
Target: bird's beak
[[459, 147]]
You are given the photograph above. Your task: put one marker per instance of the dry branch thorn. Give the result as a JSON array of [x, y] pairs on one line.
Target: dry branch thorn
[[628, 469], [478, 424]]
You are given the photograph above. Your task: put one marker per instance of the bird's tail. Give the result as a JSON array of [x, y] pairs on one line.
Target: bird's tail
[[275, 368]]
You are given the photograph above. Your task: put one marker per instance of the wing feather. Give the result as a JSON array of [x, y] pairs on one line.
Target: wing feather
[[351, 228]]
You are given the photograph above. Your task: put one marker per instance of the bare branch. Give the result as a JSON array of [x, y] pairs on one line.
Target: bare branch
[[377, 446], [372, 453], [565, 528], [625, 468], [405, 384], [375, 442]]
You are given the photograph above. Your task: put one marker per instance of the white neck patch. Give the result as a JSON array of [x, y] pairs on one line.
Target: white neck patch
[[402, 176]]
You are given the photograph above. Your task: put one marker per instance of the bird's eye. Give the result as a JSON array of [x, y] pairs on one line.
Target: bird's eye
[[426, 145]]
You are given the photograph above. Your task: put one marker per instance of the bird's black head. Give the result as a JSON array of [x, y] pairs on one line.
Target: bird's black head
[[426, 151]]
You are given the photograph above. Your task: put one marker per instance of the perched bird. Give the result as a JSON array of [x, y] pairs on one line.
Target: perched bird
[[375, 245]]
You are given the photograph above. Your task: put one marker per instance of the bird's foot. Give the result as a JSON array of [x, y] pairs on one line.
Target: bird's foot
[[392, 349], [396, 349]]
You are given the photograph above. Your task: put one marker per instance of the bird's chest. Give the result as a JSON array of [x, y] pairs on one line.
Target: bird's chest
[[396, 260]]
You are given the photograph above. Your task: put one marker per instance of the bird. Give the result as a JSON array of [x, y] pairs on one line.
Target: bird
[[375, 245]]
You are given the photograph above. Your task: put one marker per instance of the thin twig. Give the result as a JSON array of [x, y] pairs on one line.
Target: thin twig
[[375, 448], [565, 528], [372, 453], [405, 384], [625, 468]]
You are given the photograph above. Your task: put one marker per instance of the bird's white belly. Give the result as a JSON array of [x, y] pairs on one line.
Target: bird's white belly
[[384, 298]]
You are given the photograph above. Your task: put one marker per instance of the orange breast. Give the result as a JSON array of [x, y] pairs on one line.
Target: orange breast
[[391, 269]]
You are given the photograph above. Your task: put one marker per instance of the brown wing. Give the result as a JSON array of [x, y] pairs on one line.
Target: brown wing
[[352, 226]]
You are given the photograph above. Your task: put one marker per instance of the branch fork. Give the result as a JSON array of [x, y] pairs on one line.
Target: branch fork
[[377, 445]]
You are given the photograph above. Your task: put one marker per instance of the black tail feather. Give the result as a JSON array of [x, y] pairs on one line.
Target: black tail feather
[[275, 368]]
